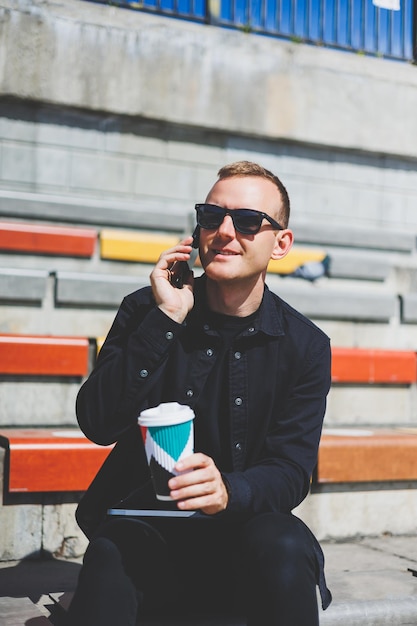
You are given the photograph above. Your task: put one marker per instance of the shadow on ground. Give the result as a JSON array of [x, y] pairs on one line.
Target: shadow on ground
[[33, 577]]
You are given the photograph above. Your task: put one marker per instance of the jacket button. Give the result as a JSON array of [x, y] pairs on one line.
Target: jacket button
[[143, 373], [251, 329], [209, 352], [238, 446], [238, 355], [169, 335], [238, 401], [189, 393]]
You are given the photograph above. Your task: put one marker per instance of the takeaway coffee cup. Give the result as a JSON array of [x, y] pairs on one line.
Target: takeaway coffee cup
[[168, 435]]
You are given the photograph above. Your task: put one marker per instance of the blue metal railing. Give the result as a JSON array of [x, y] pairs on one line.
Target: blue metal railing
[[356, 25]]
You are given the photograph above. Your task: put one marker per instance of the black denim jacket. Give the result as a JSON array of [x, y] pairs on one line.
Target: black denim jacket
[[279, 377]]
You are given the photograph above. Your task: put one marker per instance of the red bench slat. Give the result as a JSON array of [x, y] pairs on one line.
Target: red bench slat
[[48, 460], [43, 355], [358, 365], [367, 455], [40, 239]]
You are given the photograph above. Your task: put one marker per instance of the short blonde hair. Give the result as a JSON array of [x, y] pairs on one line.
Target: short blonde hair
[[248, 168]]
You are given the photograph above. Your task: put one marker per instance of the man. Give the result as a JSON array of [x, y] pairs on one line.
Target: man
[[256, 373]]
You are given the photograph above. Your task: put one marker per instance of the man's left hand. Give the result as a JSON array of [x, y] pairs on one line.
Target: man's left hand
[[200, 486]]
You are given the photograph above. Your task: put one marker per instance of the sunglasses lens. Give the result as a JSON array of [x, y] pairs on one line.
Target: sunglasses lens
[[247, 221], [209, 216]]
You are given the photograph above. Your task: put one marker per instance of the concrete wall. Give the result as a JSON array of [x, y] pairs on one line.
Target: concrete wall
[[108, 113], [139, 111], [105, 58]]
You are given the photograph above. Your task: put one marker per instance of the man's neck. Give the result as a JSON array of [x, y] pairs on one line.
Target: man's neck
[[233, 298]]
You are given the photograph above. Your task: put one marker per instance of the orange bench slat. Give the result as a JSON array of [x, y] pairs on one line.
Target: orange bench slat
[[358, 365], [46, 461], [43, 355], [40, 239], [372, 456]]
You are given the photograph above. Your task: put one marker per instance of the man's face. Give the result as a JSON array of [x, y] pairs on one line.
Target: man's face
[[227, 254]]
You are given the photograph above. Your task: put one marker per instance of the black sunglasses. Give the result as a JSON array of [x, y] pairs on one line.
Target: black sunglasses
[[245, 221]]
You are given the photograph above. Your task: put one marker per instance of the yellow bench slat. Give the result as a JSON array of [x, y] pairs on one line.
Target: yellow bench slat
[[294, 259], [133, 246]]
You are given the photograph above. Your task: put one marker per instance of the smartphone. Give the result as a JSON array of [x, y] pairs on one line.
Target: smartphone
[[180, 270]]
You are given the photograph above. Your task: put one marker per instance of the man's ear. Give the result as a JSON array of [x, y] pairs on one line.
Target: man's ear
[[283, 244]]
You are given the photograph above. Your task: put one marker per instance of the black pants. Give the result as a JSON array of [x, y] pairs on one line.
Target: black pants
[[264, 569]]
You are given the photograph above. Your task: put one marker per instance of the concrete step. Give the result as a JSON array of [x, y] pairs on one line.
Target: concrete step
[[395, 612], [370, 580], [19, 611], [28, 403], [43, 402], [371, 405], [344, 511]]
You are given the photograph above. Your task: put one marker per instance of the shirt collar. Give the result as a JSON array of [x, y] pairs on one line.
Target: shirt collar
[[268, 321]]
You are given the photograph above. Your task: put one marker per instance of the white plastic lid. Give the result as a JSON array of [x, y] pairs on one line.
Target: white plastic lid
[[166, 414]]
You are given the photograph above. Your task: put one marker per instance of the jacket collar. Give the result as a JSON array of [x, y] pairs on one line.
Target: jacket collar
[[269, 319]]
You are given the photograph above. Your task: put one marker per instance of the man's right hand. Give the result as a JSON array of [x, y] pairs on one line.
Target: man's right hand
[[176, 303]]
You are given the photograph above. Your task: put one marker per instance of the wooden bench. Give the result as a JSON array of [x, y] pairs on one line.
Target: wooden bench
[[296, 258], [345, 455], [55, 459], [42, 239], [50, 460], [140, 247], [360, 365], [146, 247], [357, 455], [32, 355], [363, 454]]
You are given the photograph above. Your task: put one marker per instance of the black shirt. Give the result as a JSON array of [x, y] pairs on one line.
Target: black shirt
[[213, 437]]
